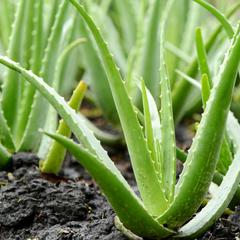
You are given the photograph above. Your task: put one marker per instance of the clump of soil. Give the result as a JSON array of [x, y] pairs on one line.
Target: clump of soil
[[33, 207], [70, 207]]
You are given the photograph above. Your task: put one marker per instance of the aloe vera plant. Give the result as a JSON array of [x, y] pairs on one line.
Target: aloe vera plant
[[32, 39], [141, 58], [182, 89], [164, 206]]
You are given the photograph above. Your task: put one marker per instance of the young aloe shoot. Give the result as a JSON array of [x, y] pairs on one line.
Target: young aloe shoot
[[56, 154]]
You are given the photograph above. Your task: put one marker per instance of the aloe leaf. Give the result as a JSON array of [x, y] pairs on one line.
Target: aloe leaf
[[73, 119], [71, 64], [205, 89], [182, 88], [35, 63], [216, 206], [5, 133], [149, 132], [127, 206], [5, 21], [127, 22], [222, 19], [221, 199], [54, 5], [192, 19], [27, 41], [105, 5], [183, 16], [134, 57], [148, 182], [31, 136], [84, 134], [167, 124], [12, 85], [95, 159], [51, 122], [98, 79], [202, 56], [225, 158], [203, 156], [154, 114], [192, 81], [110, 32], [62, 58], [150, 63], [50, 126], [4, 156]]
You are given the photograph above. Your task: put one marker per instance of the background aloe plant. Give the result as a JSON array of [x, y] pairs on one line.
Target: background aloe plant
[[37, 43]]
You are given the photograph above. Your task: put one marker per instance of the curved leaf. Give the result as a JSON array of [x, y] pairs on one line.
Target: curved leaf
[[147, 180]]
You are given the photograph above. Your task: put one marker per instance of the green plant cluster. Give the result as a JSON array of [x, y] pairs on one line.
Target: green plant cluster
[[161, 71]]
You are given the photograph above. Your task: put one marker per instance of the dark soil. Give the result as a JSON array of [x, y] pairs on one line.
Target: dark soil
[[45, 207], [70, 207]]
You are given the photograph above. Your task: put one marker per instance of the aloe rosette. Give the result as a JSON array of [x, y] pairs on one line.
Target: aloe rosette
[[164, 206]]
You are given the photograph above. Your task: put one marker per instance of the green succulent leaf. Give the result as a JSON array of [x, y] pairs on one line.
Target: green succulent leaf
[[182, 89], [203, 156], [11, 90], [34, 63], [222, 19], [152, 133], [168, 145], [150, 63], [5, 156], [202, 56], [31, 137], [128, 208], [98, 79], [132, 213], [147, 179], [5, 133], [224, 194]]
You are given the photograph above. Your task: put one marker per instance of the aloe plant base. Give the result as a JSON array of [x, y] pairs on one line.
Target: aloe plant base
[[54, 208]]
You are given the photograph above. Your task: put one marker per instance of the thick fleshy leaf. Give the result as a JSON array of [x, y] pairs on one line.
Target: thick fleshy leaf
[[168, 145], [5, 133], [182, 89], [4, 156], [222, 19], [203, 156], [222, 197], [96, 160], [11, 91], [31, 137], [147, 180], [127, 206]]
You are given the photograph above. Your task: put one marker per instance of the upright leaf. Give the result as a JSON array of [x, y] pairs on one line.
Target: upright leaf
[[11, 92], [204, 153], [167, 124]]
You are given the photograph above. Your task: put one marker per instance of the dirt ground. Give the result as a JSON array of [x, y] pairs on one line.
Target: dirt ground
[[70, 207]]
